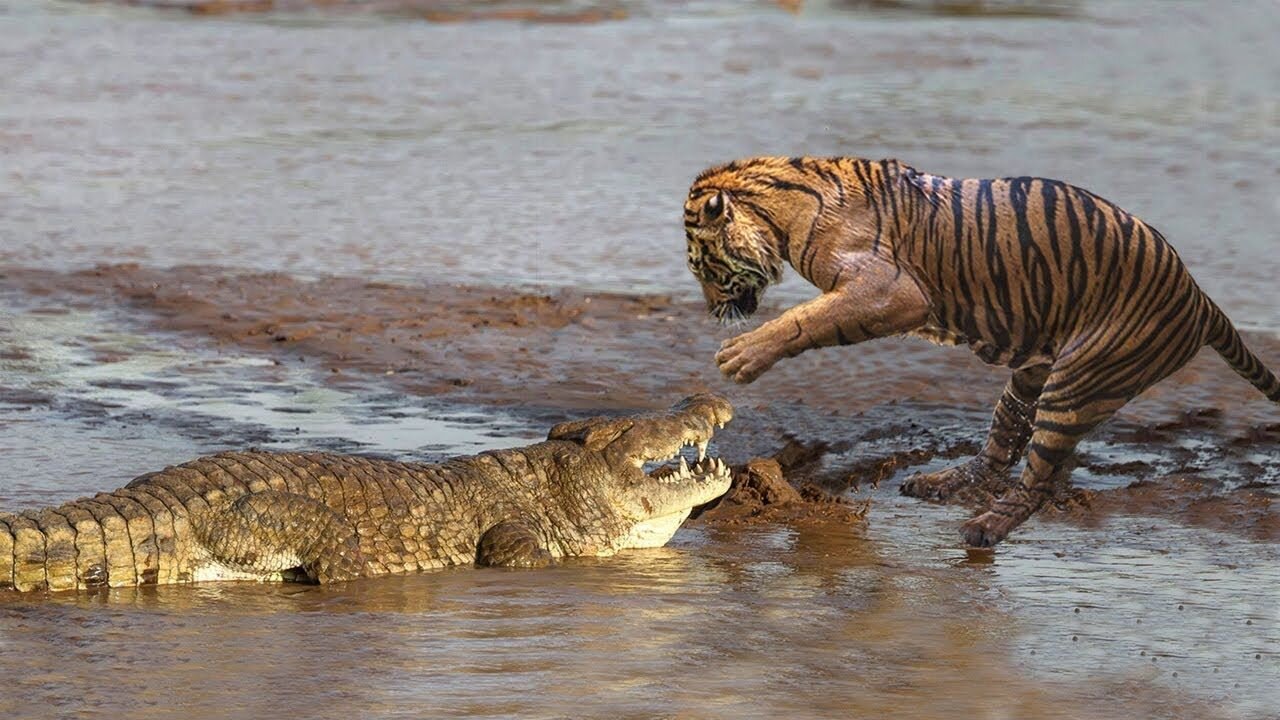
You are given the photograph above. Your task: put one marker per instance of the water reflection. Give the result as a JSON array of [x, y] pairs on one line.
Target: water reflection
[[750, 622]]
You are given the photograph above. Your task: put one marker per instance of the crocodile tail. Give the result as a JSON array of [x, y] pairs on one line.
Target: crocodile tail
[[1224, 338], [23, 566], [61, 548]]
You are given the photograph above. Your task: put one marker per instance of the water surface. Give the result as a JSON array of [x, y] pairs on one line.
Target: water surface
[[357, 142], [888, 619]]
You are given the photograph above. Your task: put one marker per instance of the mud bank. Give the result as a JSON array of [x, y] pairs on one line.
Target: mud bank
[[502, 346], [763, 491], [839, 421]]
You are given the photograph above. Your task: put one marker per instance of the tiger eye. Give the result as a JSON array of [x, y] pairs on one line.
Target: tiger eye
[[715, 206]]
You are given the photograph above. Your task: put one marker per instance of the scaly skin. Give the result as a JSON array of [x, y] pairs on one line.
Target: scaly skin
[[323, 517]]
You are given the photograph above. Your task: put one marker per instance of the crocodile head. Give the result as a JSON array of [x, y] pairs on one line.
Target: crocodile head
[[649, 486]]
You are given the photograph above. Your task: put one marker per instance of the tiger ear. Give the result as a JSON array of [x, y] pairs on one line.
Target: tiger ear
[[716, 207]]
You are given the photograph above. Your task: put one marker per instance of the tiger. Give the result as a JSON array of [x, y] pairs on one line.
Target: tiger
[[1087, 304]]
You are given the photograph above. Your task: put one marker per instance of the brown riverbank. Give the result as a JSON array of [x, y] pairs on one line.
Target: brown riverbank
[[872, 410]]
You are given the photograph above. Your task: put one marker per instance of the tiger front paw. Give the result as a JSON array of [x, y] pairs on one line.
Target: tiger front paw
[[745, 357]]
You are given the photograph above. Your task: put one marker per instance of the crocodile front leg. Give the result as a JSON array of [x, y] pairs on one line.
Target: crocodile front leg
[[511, 543], [270, 531]]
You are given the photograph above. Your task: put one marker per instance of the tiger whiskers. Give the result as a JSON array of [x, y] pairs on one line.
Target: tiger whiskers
[[730, 315]]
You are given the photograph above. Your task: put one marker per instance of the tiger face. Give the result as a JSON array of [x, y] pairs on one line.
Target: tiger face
[[728, 253]]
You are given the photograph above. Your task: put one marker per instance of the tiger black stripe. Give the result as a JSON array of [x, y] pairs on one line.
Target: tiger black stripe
[[1085, 302]]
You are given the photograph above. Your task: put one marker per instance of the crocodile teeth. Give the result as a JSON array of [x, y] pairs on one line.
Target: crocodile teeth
[[702, 450], [684, 466]]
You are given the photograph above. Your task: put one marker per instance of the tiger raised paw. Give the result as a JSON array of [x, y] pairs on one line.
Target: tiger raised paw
[[1087, 304]]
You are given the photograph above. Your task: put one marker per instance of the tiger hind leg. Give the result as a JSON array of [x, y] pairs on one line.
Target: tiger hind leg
[[1080, 393], [1010, 431], [1049, 462]]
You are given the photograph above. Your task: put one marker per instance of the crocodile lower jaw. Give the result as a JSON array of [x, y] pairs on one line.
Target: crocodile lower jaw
[[654, 532]]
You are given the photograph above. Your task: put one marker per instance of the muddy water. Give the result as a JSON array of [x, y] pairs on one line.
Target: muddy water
[[374, 143], [1133, 614]]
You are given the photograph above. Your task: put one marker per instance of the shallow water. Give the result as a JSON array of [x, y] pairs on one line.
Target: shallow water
[[345, 142], [889, 619], [809, 622], [88, 401]]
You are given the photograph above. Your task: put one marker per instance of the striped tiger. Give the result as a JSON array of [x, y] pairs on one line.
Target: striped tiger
[[1087, 304]]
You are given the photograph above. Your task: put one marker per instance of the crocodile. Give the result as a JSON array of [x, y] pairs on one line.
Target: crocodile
[[592, 488]]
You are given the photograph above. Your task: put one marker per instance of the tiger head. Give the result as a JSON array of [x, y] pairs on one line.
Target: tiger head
[[729, 252]]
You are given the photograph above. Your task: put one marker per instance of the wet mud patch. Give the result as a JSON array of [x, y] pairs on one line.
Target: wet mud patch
[[1201, 467], [588, 350], [1252, 511], [762, 491]]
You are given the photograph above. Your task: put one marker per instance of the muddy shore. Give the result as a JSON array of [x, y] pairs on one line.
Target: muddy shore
[[866, 413]]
